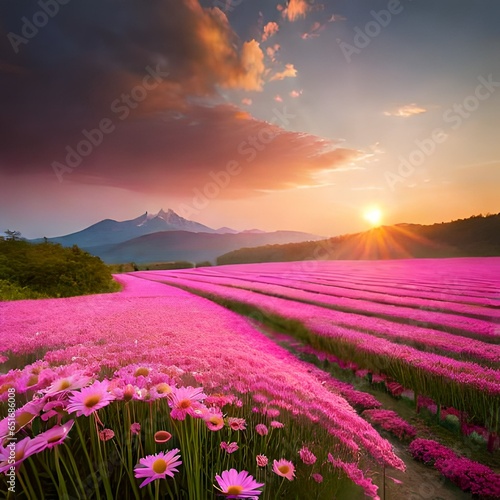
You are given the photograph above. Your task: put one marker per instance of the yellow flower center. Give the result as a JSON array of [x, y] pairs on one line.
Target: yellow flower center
[[235, 489], [215, 420], [284, 469], [53, 439], [159, 466], [163, 388], [23, 419], [91, 401], [185, 403], [141, 371], [64, 384], [32, 380]]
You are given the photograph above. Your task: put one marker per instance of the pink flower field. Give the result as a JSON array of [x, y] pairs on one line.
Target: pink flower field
[[177, 387]]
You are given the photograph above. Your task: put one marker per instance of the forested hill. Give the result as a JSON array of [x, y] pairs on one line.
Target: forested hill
[[476, 236]]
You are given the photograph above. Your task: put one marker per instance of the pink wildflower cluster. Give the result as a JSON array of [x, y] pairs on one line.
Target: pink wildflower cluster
[[307, 456], [373, 338], [354, 397], [468, 475], [229, 447], [162, 333], [390, 421], [356, 475]]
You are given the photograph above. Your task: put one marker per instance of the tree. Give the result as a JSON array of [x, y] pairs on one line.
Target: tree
[[13, 235]]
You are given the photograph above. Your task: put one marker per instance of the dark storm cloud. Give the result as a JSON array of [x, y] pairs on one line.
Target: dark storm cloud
[[150, 72]]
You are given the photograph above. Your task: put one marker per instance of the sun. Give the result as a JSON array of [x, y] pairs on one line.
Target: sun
[[373, 215]]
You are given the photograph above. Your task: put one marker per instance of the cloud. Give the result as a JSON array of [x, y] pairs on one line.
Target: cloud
[[296, 9], [295, 93], [246, 101], [314, 31], [288, 72], [406, 111], [169, 137], [278, 98], [271, 51], [252, 61], [270, 29], [177, 155], [66, 79]]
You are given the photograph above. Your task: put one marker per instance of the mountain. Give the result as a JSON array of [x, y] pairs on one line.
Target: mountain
[[226, 230], [477, 236], [168, 246], [110, 231], [166, 236]]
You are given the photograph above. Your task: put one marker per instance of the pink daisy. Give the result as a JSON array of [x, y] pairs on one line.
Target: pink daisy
[[126, 393], [70, 383], [261, 460], [277, 425], [22, 449], [214, 420], [55, 408], [90, 399], [161, 390], [135, 428], [157, 466], [284, 468], [318, 478], [184, 401], [234, 484], [55, 435]]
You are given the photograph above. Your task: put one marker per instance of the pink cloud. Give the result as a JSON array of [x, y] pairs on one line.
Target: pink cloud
[[296, 9], [406, 111], [288, 72], [271, 51], [270, 29], [173, 160], [314, 31]]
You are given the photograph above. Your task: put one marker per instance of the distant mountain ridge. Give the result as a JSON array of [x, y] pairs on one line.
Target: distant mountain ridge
[[109, 231], [166, 246], [167, 236], [477, 236]]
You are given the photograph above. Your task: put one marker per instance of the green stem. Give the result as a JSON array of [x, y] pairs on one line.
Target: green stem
[[91, 466], [75, 472], [61, 488]]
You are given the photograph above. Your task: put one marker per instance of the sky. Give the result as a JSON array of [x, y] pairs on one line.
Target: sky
[[300, 115]]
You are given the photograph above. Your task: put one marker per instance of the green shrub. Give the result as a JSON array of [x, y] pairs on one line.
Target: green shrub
[[48, 269]]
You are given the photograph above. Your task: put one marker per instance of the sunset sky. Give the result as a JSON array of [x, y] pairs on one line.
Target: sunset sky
[[299, 115]]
